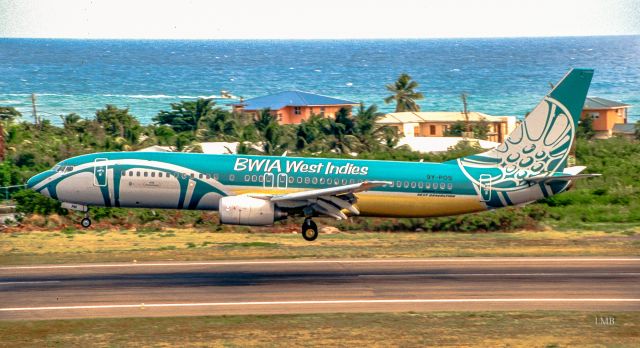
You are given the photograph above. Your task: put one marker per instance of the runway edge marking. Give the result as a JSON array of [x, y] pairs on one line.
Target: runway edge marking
[[320, 302], [284, 262]]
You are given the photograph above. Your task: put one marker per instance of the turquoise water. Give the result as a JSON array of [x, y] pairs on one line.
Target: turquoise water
[[501, 76]]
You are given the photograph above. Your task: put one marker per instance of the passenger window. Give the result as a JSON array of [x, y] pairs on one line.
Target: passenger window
[[435, 185], [232, 177], [261, 178], [200, 176], [413, 184], [193, 175], [208, 176], [184, 176], [399, 183], [254, 178], [392, 184], [159, 174], [344, 181], [299, 180], [215, 176], [146, 174], [137, 173], [291, 179], [449, 186], [406, 184], [315, 180], [123, 173], [153, 174], [322, 180], [420, 184], [427, 185], [442, 185], [307, 180], [352, 181], [247, 177]]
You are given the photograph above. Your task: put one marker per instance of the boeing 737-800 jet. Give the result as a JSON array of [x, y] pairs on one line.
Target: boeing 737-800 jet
[[259, 190]]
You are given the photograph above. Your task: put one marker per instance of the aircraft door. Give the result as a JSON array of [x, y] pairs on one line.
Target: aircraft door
[[268, 181], [282, 180], [485, 187], [100, 172]]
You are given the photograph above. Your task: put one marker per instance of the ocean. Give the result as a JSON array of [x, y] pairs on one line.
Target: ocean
[[504, 76]]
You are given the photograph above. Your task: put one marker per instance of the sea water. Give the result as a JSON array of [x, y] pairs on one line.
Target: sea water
[[505, 76]]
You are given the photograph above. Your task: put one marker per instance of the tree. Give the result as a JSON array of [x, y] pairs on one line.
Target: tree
[[8, 114], [119, 123], [585, 129], [309, 135], [270, 133], [404, 94], [220, 124], [456, 129], [369, 133], [340, 132], [186, 115]]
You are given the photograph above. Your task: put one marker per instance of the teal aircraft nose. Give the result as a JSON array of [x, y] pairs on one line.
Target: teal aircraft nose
[[34, 180]]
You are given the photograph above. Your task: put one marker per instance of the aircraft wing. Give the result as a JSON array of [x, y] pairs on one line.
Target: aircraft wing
[[329, 201]]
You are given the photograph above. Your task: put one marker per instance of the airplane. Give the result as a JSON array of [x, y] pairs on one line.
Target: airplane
[[530, 165]]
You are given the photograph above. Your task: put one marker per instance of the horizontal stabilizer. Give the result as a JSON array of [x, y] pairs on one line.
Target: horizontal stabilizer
[[560, 177]]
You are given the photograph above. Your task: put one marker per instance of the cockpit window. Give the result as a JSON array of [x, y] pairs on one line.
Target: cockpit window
[[56, 168], [68, 169]]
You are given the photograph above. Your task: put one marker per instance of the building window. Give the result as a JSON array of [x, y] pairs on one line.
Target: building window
[[297, 110], [322, 110], [593, 115], [279, 117], [432, 130]]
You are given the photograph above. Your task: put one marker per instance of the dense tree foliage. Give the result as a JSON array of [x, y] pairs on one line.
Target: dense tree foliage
[[404, 94], [614, 197]]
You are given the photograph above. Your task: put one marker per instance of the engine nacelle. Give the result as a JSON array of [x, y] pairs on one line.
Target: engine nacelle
[[244, 210]]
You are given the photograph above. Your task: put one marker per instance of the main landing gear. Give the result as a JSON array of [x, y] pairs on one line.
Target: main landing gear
[[86, 222], [309, 230]]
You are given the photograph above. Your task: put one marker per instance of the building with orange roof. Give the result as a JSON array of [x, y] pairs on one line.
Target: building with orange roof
[[292, 107], [605, 114]]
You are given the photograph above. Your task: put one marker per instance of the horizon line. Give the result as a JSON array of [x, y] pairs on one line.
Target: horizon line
[[314, 39]]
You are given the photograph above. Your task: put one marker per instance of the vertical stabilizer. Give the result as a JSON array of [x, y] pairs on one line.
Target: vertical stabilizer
[[541, 143]]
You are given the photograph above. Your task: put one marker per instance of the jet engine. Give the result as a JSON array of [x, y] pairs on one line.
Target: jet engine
[[244, 210]]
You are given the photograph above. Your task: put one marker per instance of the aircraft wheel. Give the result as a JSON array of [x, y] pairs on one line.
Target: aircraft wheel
[[86, 222], [309, 230]]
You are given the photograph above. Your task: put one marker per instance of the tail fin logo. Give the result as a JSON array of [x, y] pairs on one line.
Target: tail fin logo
[[540, 144]]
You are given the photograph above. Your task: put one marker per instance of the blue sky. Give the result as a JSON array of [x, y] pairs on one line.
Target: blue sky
[[326, 19]]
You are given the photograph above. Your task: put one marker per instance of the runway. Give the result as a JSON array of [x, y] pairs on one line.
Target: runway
[[315, 286]]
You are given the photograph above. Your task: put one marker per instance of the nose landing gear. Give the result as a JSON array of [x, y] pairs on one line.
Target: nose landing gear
[[309, 230]]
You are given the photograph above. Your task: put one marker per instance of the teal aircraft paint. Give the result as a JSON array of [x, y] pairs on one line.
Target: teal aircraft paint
[[257, 190]]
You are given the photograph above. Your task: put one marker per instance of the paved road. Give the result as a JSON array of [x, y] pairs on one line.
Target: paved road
[[297, 286]]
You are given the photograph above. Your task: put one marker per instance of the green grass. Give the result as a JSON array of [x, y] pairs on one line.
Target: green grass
[[483, 329], [193, 244]]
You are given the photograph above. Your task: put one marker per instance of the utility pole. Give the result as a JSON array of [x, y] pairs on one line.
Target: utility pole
[[467, 133], [33, 106]]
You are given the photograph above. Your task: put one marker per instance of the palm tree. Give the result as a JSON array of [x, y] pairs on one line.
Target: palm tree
[[271, 134], [340, 131], [370, 134], [186, 115], [404, 94], [309, 135]]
